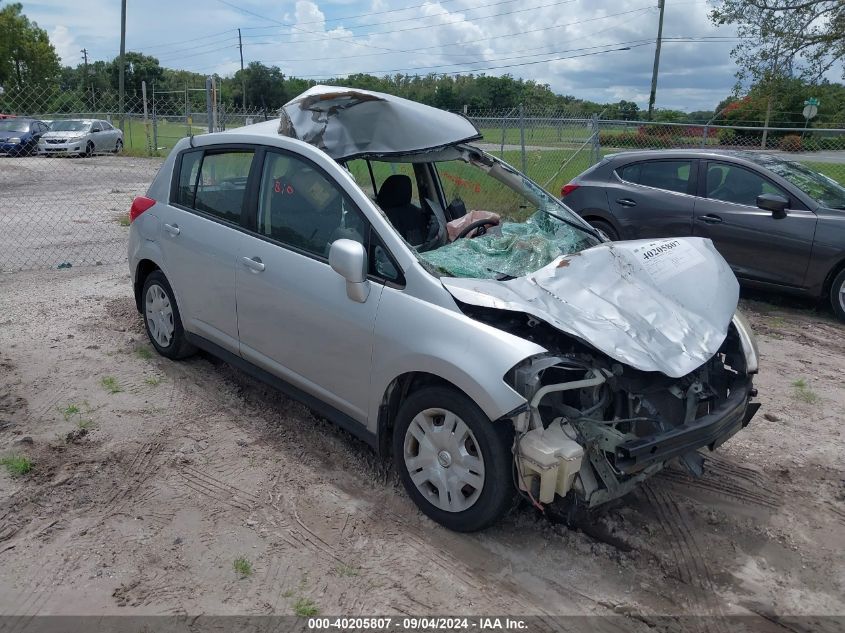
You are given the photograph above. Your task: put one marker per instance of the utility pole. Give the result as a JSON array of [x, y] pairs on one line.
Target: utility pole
[[122, 72], [661, 5], [84, 52], [243, 79]]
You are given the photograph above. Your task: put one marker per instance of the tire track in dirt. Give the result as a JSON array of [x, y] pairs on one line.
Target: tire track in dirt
[[691, 566], [727, 479], [204, 483]]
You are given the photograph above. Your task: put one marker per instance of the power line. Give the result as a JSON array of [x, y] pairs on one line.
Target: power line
[[494, 37], [447, 54], [435, 15], [476, 70], [247, 11], [210, 46], [184, 41], [372, 13]]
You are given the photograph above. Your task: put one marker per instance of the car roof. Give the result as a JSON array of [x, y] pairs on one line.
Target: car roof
[[747, 155], [347, 123]]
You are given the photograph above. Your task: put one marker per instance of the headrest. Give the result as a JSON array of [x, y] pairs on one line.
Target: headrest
[[395, 192], [714, 179]]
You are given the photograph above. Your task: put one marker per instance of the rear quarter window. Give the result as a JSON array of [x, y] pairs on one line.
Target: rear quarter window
[[669, 175]]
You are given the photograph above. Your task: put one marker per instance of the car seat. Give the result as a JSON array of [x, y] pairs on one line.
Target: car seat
[[740, 187], [394, 198]]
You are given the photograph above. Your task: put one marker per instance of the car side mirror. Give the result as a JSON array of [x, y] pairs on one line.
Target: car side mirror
[[349, 260], [774, 203]]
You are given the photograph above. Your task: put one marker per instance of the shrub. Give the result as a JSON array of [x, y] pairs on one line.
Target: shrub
[[790, 143], [727, 137]]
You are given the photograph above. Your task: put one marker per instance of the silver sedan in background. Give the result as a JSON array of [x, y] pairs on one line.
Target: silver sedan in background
[[81, 137]]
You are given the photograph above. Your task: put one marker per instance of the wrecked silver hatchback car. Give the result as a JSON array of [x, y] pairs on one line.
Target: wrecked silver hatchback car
[[364, 256]]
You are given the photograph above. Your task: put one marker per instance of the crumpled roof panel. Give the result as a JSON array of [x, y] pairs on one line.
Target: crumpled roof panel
[[347, 123]]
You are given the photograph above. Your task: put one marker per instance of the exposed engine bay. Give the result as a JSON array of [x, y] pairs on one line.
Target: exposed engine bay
[[594, 428]]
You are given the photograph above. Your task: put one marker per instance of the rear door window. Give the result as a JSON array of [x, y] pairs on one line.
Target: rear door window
[[669, 175], [215, 182]]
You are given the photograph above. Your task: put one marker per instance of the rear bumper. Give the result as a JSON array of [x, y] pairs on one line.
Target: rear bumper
[[710, 430]]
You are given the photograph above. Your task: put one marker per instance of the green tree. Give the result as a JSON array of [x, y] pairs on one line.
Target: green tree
[[803, 36], [138, 68], [27, 58]]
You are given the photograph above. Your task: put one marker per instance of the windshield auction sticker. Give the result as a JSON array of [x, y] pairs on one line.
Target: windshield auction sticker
[[667, 258]]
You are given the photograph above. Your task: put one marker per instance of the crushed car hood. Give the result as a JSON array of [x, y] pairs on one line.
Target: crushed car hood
[[656, 305], [347, 122]]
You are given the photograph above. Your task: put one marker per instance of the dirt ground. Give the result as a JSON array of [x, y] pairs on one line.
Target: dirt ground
[[152, 477]]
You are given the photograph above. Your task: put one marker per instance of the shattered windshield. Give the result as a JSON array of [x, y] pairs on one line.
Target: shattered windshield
[[533, 230]]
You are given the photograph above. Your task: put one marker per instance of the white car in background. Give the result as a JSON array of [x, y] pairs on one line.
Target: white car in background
[[81, 137]]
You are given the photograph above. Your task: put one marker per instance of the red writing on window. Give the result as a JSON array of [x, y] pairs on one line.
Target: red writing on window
[[278, 187]]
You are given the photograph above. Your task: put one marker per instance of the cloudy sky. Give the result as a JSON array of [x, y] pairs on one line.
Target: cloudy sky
[[565, 43]]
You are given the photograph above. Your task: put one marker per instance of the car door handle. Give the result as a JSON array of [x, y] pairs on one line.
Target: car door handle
[[173, 229], [711, 219], [253, 263], [626, 202]]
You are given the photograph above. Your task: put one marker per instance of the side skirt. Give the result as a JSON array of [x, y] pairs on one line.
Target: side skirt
[[327, 411]]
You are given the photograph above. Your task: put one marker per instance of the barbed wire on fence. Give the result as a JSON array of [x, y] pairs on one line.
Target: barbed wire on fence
[[65, 203]]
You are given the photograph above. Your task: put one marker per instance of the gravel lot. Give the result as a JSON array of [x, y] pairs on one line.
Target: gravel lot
[[56, 210], [151, 477]]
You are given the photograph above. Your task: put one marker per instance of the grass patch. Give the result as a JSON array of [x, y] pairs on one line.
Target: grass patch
[[144, 353], [804, 393], [110, 384], [346, 571], [305, 608], [242, 567], [69, 411], [123, 219], [16, 465], [85, 424], [152, 381], [776, 322]]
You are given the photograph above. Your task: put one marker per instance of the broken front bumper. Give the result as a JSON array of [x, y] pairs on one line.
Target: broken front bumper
[[710, 430]]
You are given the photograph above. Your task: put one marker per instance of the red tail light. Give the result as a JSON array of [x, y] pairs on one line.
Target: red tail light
[[139, 205], [567, 189]]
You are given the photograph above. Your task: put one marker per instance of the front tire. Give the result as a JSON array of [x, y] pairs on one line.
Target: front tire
[[454, 462], [837, 295], [161, 318], [89, 150], [118, 147]]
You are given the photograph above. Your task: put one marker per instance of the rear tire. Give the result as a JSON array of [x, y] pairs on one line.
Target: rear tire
[[837, 295], [606, 228], [462, 465], [162, 319]]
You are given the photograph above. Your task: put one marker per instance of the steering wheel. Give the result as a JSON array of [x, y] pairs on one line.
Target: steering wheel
[[478, 224]]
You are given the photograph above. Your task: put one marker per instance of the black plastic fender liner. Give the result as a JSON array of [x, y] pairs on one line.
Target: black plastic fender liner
[[710, 430]]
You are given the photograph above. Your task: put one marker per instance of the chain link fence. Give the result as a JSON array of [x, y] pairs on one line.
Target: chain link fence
[[554, 147], [72, 163]]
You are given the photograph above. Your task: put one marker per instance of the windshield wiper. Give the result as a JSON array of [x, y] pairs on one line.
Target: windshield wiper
[[589, 231]]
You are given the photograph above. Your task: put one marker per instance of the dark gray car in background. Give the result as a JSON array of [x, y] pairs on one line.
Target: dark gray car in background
[[779, 224]]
